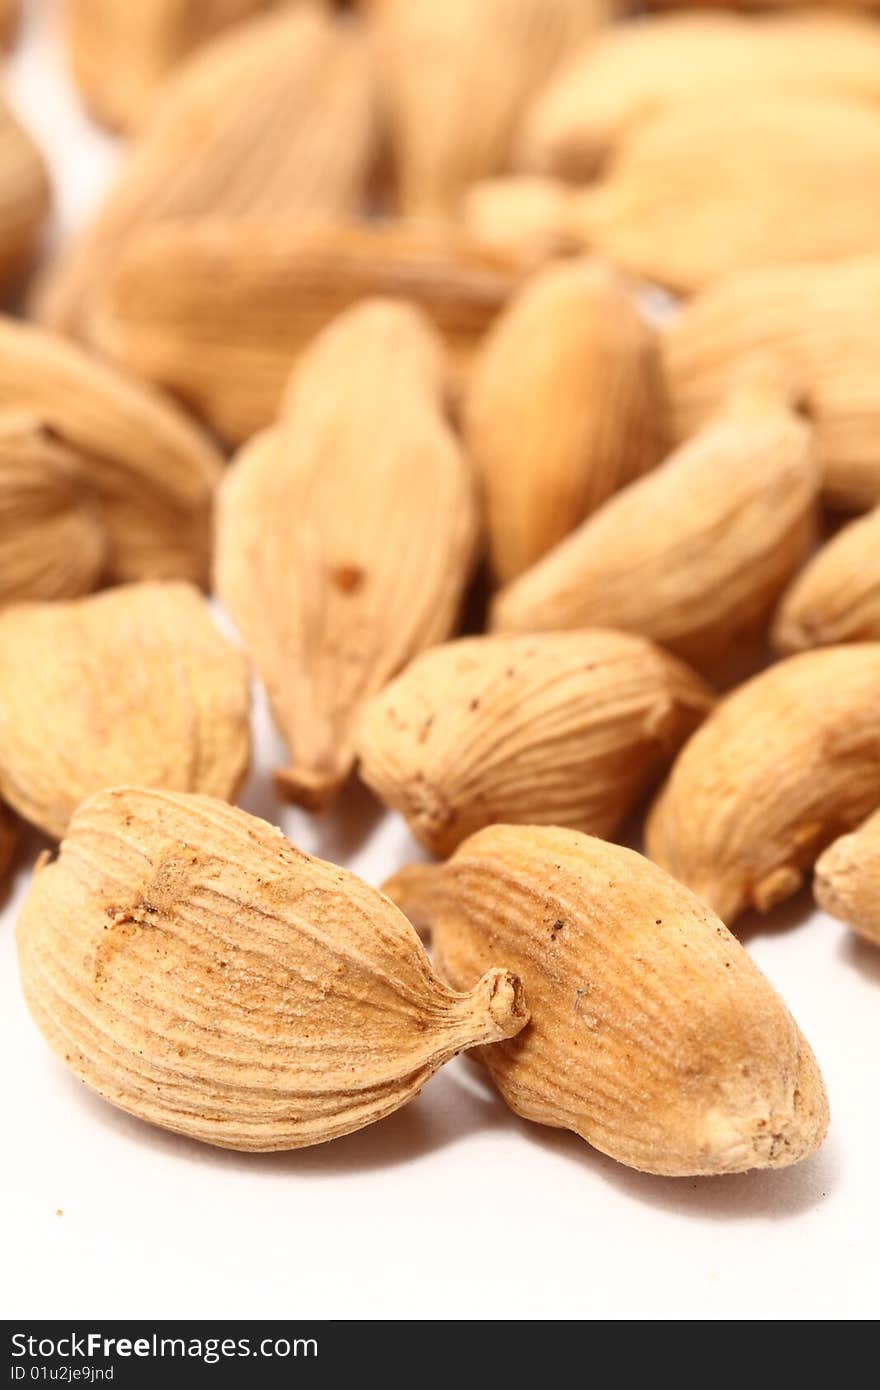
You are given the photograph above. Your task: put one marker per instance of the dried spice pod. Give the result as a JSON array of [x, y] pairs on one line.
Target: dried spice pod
[[696, 554], [634, 70], [135, 684], [822, 319], [562, 728], [454, 76], [565, 405], [837, 597], [152, 470], [707, 189], [274, 118], [652, 1034], [847, 880], [24, 199], [53, 542], [120, 54], [346, 536], [194, 968], [782, 766], [217, 312]]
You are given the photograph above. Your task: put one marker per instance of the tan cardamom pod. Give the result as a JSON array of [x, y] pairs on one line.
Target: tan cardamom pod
[[120, 53], [53, 543], [276, 117], [562, 728], [696, 554], [218, 312], [634, 70], [837, 597], [781, 767], [710, 188], [822, 319], [847, 880], [347, 534], [25, 196], [152, 471], [564, 406], [652, 1034], [195, 969], [135, 684], [454, 76]]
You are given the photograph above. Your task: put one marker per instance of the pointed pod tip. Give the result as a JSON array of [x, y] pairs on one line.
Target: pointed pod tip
[[411, 890], [312, 789], [502, 615], [791, 634]]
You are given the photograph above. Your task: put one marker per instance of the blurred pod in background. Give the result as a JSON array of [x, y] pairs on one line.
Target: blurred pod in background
[[565, 405], [275, 118], [120, 53], [455, 77], [218, 311], [824, 321], [634, 71]]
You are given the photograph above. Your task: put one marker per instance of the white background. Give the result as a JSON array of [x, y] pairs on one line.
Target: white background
[[452, 1208]]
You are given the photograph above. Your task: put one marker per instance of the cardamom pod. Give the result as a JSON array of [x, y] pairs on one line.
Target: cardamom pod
[[781, 767], [696, 554], [631, 71], [276, 117], [195, 969], [564, 728], [454, 76], [837, 597], [53, 542], [847, 879], [565, 405], [217, 312], [347, 534], [824, 320], [135, 684], [120, 54], [152, 471], [710, 188], [652, 1034]]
